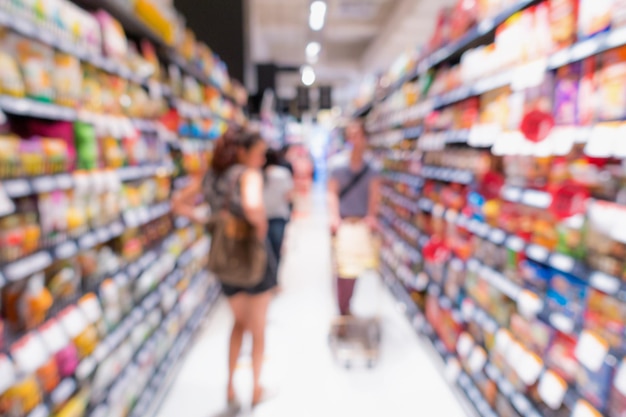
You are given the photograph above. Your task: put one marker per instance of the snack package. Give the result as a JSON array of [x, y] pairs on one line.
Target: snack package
[[11, 82], [567, 296], [566, 94], [612, 78], [563, 21], [67, 80], [36, 62], [595, 386], [594, 16], [561, 357], [114, 41]]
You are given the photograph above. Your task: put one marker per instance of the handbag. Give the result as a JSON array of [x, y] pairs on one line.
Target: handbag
[[237, 256]]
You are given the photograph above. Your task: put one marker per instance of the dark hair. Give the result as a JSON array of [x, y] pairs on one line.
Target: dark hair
[[273, 157], [225, 151]]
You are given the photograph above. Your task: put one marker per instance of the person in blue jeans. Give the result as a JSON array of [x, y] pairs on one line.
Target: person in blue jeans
[[277, 196]]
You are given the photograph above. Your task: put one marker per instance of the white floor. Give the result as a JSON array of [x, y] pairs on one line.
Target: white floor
[[299, 366]]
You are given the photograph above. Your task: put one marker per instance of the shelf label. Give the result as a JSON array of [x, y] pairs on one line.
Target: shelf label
[[497, 236], [552, 390], [529, 304], [560, 58], [562, 262], [7, 373], [17, 188], [44, 184], [512, 194], [477, 359], [529, 368], [88, 241], [29, 353], [591, 350], [561, 322], [28, 266], [53, 336], [585, 49], [537, 253], [63, 391], [40, 411], [515, 243], [605, 283], [538, 199], [6, 205], [103, 235], [66, 250]]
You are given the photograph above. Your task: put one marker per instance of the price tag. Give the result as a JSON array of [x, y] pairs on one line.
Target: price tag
[[515, 243], [88, 241], [584, 409], [552, 390], [73, 321], [53, 336], [103, 235], [17, 188], [562, 262], [453, 370], [63, 391], [86, 368], [497, 236], [7, 373], [29, 353], [529, 304], [477, 359], [605, 283], [90, 307], [27, 266], [39, 411], [591, 350], [537, 199], [44, 184], [116, 229], [6, 205], [529, 368], [512, 194], [537, 253], [562, 323], [503, 340]]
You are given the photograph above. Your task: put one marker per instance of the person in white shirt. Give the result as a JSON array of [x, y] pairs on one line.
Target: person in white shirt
[[277, 194]]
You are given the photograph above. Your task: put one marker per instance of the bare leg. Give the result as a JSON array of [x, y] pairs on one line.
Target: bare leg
[[257, 322], [238, 307]]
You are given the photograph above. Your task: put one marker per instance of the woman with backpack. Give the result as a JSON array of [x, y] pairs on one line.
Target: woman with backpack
[[233, 188]]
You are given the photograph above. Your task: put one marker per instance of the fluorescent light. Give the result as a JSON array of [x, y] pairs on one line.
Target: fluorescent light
[[308, 75], [313, 49], [318, 14]]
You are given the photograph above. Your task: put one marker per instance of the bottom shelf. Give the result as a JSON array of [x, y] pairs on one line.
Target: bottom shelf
[[462, 385]]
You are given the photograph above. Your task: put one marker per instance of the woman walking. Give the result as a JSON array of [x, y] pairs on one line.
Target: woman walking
[[234, 183]]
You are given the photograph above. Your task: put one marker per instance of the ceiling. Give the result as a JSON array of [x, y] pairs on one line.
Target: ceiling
[[360, 37]]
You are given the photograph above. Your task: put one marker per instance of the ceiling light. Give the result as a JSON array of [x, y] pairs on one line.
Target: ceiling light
[[318, 14], [308, 75], [313, 49]]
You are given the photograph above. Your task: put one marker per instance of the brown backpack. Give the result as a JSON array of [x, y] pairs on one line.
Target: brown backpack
[[237, 256]]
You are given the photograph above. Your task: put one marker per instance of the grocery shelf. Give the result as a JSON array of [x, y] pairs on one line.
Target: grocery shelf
[[460, 176], [30, 30], [28, 107], [24, 267], [22, 187]]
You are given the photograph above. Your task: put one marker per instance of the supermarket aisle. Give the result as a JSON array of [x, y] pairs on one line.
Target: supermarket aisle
[[299, 365]]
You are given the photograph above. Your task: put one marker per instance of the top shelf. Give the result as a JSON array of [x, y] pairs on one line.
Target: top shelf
[[476, 36], [136, 27]]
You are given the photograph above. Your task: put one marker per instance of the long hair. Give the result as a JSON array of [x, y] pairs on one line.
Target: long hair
[[225, 151]]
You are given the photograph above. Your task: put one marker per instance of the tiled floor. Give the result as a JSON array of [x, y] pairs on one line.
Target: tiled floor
[[299, 366]]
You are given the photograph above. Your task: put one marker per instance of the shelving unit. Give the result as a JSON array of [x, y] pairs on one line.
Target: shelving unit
[[511, 305], [139, 280]]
